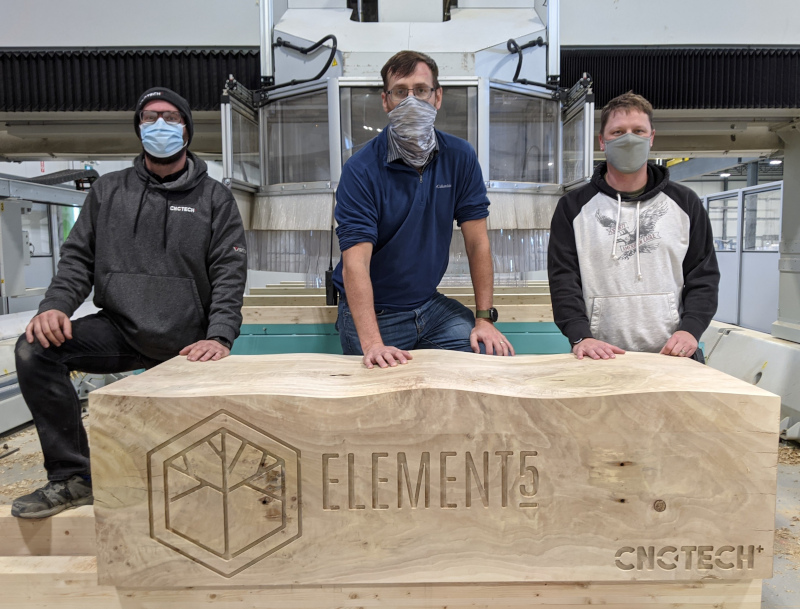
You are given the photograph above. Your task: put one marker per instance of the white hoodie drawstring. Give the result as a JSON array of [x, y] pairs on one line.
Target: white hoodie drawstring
[[638, 261], [616, 228]]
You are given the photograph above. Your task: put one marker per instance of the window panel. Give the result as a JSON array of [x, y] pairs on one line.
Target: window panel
[[762, 221], [363, 117], [574, 148], [65, 218], [37, 223], [524, 132], [245, 149], [297, 136], [724, 215], [515, 253]]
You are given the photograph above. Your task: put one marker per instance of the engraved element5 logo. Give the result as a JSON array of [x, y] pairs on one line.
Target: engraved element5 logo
[[224, 493]]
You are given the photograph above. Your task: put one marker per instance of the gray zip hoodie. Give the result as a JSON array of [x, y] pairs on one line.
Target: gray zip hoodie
[[167, 261]]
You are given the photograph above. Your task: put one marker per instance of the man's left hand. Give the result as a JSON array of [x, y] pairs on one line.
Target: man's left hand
[[494, 341], [680, 344], [205, 350]]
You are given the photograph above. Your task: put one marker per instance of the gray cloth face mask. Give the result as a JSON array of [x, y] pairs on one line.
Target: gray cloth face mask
[[628, 153], [411, 128]]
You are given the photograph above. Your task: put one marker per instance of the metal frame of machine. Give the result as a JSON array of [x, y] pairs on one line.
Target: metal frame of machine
[[306, 206]]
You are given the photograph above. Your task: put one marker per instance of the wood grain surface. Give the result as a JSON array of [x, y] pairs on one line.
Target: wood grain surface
[[71, 583], [310, 470], [289, 315]]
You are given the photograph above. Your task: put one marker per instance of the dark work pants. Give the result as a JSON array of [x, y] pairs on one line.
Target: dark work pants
[[97, 347]]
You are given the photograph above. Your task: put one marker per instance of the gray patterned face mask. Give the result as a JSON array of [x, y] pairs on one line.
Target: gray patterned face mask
[[411, 128], [628, 153]]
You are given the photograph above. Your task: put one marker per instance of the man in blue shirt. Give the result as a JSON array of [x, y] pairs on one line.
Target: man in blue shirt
[[396, 202]]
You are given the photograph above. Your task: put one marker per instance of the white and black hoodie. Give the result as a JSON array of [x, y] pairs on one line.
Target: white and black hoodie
[[631, 271]]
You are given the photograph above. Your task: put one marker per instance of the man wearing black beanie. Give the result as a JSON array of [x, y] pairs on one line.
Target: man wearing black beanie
[[160, 102], [162, 245]]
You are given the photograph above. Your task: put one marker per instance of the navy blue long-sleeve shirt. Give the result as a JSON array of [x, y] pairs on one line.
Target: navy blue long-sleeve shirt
[[407, 216]]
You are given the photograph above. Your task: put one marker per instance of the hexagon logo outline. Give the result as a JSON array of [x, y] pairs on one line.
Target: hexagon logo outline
[[194, 469]]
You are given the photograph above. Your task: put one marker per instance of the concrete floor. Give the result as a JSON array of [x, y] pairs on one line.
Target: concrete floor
[[783, 590], [22, 472]]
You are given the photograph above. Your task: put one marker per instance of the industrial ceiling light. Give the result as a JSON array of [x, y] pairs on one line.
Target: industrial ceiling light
[[724, 175], [775, 162]]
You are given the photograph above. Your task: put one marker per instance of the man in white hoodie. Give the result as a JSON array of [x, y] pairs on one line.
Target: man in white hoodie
[[631, 258]]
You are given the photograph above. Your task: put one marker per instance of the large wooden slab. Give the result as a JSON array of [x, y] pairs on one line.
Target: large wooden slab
[[310, 470]]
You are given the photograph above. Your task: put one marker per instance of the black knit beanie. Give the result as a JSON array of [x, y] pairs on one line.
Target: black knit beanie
[[170, 96]]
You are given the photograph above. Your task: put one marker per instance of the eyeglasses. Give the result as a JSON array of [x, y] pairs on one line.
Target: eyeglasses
[[148, 117], [422, 93]]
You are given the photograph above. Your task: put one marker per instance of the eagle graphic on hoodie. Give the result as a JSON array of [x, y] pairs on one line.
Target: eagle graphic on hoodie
[[631, 271]]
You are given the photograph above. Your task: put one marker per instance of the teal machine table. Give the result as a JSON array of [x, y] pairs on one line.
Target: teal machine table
[[311, 329]]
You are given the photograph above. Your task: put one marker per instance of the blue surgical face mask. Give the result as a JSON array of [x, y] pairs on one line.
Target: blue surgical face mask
[[161, 139]]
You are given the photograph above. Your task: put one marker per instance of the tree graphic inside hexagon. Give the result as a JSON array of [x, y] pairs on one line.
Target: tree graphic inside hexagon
[[213, 488], [224, 493]]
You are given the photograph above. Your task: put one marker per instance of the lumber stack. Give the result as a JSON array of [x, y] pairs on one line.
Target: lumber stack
[[303, 300], [296, 304], [448, 291], [70, 533], [321, 314], [456, 480], [71, 583]]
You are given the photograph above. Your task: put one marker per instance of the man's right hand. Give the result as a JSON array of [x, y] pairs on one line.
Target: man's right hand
[[596, 349], [385, 356], [51, 327]]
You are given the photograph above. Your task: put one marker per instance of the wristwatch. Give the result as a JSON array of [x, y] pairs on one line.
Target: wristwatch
[[490, 314], [222, 341]]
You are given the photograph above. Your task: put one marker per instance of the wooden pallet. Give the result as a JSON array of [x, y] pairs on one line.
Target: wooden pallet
[[51, 563], [70, 533], [71, 583]]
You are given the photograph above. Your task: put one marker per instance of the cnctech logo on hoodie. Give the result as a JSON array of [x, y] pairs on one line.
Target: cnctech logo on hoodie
[[180, 208]]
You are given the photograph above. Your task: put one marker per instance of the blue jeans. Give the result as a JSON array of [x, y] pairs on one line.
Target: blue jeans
[[440, 323]]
